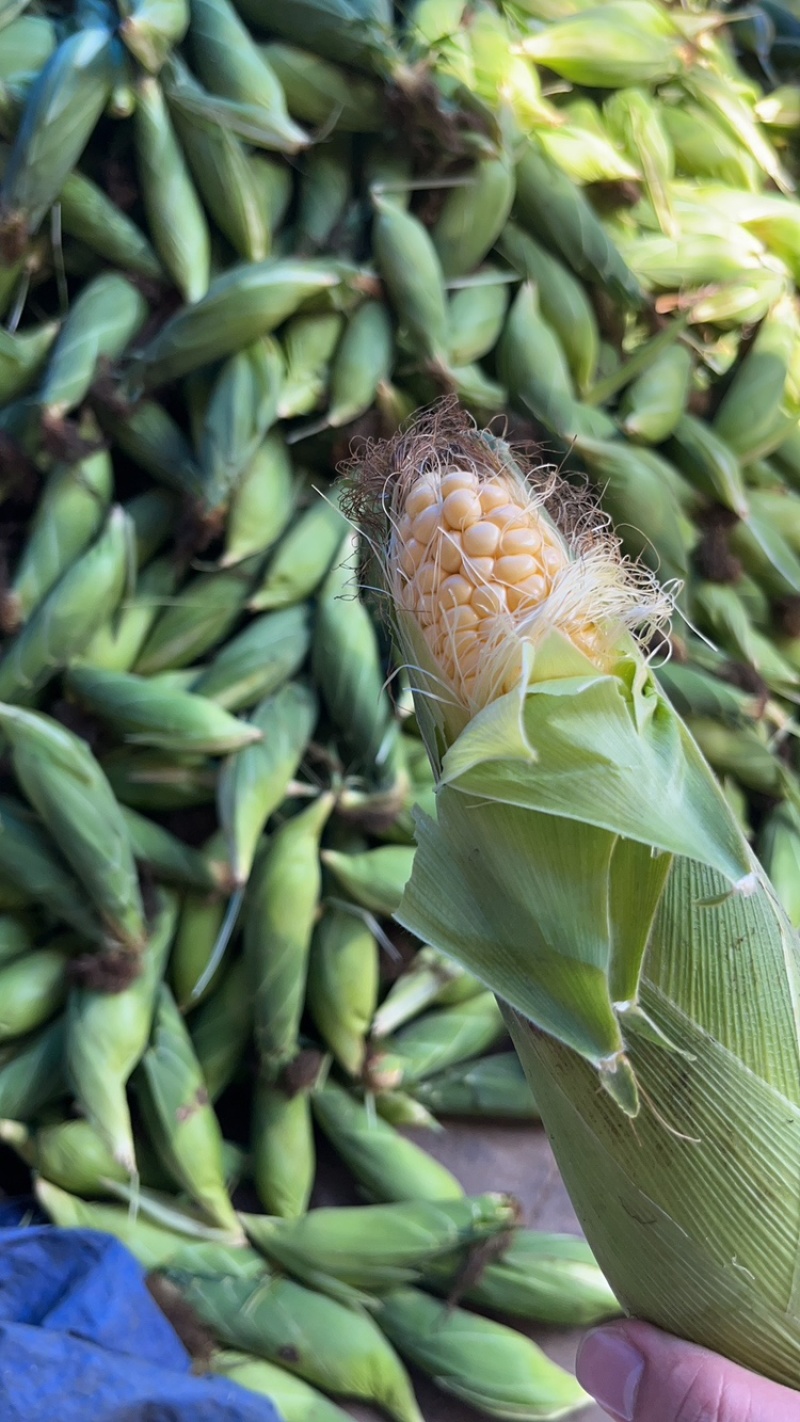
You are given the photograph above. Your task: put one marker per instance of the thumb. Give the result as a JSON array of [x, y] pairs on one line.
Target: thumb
[[639, 1374]]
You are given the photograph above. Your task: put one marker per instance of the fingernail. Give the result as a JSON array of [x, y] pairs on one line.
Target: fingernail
[[610, 1368]]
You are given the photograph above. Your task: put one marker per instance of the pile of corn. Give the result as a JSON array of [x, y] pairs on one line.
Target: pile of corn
[[230, 240]]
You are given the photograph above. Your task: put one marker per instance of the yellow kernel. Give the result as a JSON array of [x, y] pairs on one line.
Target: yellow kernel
[[459, 619], [489, 601], [507, 515], [515, 568], [427, 577], [450, 552], [553, 559], [454, 591], [481, 539], [420, 498], [479, 570], [411, 556], [527, 594], [404, 528], [458, 479], [427, 522], [493, 496], [520, 540], [461, 508]]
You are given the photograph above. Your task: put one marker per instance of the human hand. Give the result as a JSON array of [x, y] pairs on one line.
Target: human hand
[[639, 1374]]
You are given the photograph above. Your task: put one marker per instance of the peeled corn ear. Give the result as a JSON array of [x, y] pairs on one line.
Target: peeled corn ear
[[585, 865]]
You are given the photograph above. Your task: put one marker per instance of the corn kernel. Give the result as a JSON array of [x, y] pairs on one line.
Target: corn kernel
[[481, 539], [458, 479], [427, 522], [421, 497], [450, 552], [489, 601], [455, 591], [515, 568], [461, 508]]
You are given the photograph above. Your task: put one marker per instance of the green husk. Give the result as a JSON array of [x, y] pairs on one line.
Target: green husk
[[337, 1348]]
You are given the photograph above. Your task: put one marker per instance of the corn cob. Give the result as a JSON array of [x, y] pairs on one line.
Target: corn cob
[[494, 1086], [297, 1400], [387, 1166], [482, 1363]]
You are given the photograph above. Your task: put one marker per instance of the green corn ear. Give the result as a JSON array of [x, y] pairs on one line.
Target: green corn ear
[[117, 644], [261, 504], [149, 436], [547, 1278], [493, 1087], [375, 878], [256, 662], [200, 617], [280, 909], [750, 411], [302, 558], [174, 214], [432, 979], [68, 617], [68, 789], [16, 936], [475, 317], [309, 343], [473, 216], [253, 784], [230, 64], [703, 149], [320, 93], [242, 406], [342, 988], [32, 1074], [150, 29], [159, 1236], [438, 1040], [242, 304], [562, 299], [639, 123], [99, 325], [296, 1400], [284, 1158], [378, 1247], [31, 991], [480, 1362], [326, 189], [363, 358], [218, 162], [708, 463], [107, 1036], [29, 858], [29, 41], [67, 519], [348, 668], [60, 113], [356, 32], [199, 927], [385, 1164], [654, 403], [181, 1123], [21, 357], [613, 47], [168, 858], [220, 1029], [409, 265], [560, 216], [74, 1156]]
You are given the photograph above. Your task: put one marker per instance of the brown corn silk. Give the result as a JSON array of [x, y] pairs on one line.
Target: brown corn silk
[[584, 864]]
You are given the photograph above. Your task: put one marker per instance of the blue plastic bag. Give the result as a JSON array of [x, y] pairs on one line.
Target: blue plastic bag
[[81, 1339]]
